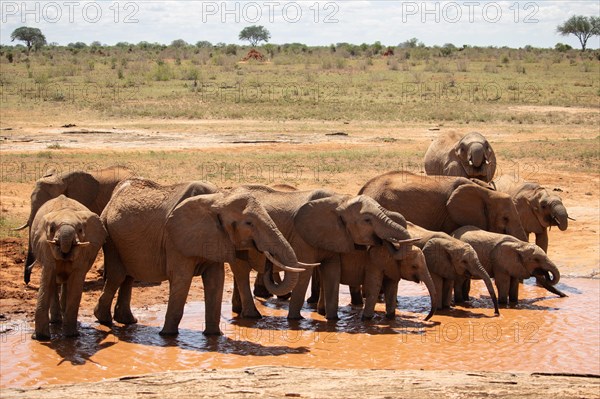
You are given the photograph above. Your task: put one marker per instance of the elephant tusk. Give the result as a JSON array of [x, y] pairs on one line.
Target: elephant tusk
[[556, 221], [308, 264], [55, 242], [21, 227], [281, 265], [83, 244], [570, 218], [409, 241], [470, 162], [487, 162]]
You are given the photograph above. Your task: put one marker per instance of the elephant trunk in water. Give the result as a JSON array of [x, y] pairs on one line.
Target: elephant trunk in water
[[480, 272], [432, 294], [559, 216], [547, 281]]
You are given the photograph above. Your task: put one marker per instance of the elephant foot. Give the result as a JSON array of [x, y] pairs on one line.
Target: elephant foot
[[40, 336], [212, 332], [312, 299], [124, 316], [366, 317], [321, 312], [332, 317], [103, 317], [168, 333], [252, 314], [295, 317], [71, 334], [57, 320], [237, 309], [390, 316]]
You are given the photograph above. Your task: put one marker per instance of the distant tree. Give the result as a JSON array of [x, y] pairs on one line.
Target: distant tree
[[561, 47], [96, 44], [377, 47], [411, 43], [179, 43], [255, 34], [203, 44], [33, 37], [582, 27], [77, 45]]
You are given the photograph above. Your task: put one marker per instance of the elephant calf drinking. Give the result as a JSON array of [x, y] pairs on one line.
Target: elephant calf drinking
[[65, 239]]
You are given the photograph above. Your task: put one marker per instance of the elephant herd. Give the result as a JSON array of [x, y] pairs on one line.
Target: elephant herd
[[443, 229]]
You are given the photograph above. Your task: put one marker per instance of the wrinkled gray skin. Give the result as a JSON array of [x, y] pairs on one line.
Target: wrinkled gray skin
[[320, 226], [65, 238], [442, 203], [454, 154], [383, 267], [538, 208], [174, 233], [449, 259], [508, 261], [92, 190]]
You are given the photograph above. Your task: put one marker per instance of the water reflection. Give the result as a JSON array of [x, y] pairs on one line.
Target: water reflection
[[541, 333]]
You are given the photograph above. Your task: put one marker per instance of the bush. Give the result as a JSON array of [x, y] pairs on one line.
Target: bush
[[162, 71]]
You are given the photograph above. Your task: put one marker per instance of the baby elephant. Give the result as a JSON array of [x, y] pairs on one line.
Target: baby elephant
[[65, 238], [508, 260]]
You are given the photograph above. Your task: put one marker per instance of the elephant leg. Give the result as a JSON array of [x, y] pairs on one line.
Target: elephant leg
[[330, 280], [371, 289], [446, 293], [356, 296], [73, 299], [502, 280], [260, 290], [298, 295], [513, 292], [315, 287], [46, 294], [179, 287], [321, 301], [241, 277], [236, 302], [466, 289], [213, 279], [56, 307], [390, 290], [115, 276], [541, 240], [123, 306], [438, 283]]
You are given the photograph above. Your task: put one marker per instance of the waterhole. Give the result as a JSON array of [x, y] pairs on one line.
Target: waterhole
[[543, 333]]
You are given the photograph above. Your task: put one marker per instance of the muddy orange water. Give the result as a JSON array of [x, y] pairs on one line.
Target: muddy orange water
[[543, 333]]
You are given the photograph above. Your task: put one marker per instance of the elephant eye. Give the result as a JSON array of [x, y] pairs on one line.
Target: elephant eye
[[248, 223], [367, 220]]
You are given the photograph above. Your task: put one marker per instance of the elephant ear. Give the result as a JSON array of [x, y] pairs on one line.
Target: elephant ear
[[321, 226], [196, 230], [468, 206], [439, 261], [507, 255], [83, 187]]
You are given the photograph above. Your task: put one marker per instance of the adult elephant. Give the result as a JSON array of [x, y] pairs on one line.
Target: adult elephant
[[65, 238], [173, 233], [382, 267], [538, 209], [442, 203], [319, 225], [455, 154], [92, 190], [508, 260], [449, 259]]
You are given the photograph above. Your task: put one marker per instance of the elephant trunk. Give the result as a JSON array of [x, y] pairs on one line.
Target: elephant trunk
[[388, 229], [432, 294], [66, 238], [479, 271], [286, 286], [549, 272], [271, 241], [559, 216], [476, 155], [28, 265]]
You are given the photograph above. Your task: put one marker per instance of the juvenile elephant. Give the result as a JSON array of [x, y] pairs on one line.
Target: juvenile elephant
[[383, 267], [508, 261], [538, 209], [449, 259], [319, 225], [92, 190], [173, 233], [454, 154], [65, 238], [442, 203]]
